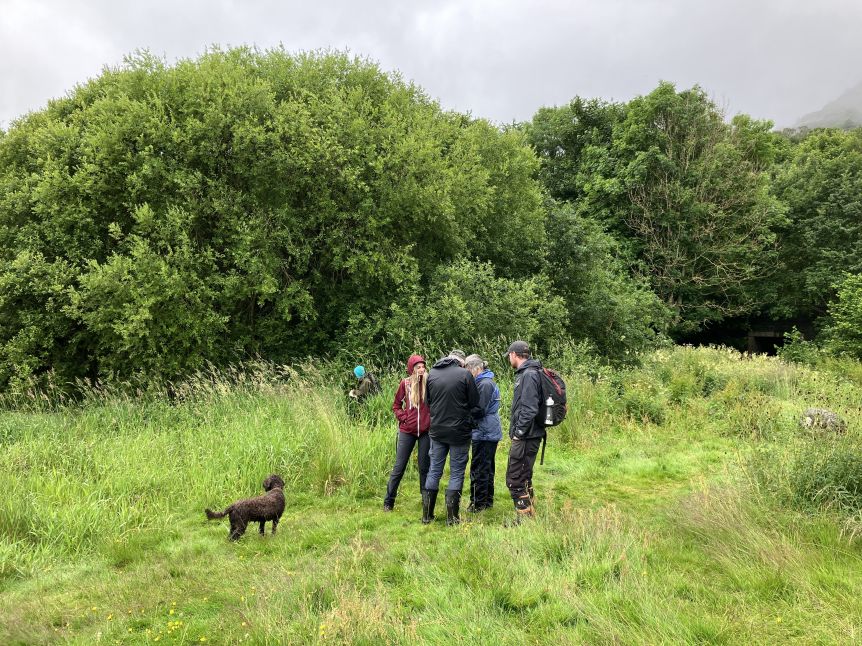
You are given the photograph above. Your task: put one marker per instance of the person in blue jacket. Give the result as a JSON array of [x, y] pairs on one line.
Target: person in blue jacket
[[486, 436]]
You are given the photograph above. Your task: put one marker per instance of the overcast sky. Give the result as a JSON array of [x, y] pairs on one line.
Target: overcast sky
[[500, 59]]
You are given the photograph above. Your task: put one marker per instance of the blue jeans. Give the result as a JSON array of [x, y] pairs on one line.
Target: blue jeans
[[458, 454]]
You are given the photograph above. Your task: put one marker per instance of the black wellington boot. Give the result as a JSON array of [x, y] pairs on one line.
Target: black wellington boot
[[453, 501], [429, 499]]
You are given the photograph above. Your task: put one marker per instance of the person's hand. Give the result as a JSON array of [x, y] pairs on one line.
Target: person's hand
[[353, 394]]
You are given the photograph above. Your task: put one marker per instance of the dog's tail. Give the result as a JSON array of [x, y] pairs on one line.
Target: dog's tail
[[212, 515]]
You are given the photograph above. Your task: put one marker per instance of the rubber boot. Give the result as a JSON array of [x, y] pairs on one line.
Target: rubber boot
[[524, 507], [429, 499], [453, 501]]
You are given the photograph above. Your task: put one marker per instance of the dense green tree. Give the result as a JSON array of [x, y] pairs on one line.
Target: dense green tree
[[821, 184], [844, 329], [245, 202], [467, 301], [685, 191], [615, 312], [560, 135]]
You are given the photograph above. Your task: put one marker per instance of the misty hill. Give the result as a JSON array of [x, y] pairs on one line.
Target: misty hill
[[843, 112]]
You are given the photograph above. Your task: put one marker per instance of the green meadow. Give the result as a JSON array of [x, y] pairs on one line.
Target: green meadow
[[679, 503]]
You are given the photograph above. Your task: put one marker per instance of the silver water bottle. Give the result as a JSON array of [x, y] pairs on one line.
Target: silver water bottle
[[549, 411]]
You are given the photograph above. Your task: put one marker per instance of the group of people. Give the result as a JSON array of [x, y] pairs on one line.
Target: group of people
[[453, 410]]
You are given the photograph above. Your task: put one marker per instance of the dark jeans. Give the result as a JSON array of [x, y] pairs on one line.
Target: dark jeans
[[482, 474], [458, 454], [519, 473], [404, 448]]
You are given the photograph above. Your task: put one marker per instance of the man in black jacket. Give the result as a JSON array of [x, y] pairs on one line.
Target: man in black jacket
[[526, 427], [454, 403]]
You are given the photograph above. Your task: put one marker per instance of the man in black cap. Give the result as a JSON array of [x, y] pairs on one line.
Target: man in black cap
[[526, 428]]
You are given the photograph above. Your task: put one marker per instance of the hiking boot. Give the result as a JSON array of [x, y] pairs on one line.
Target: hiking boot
[[453, 501], [524, 507], [429, 499], [388, 506]]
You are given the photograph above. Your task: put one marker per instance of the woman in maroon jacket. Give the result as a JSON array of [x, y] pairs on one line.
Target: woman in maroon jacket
[[414, 418]]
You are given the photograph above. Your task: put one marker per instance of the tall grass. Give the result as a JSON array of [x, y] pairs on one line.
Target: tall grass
[[87, 476], [82, 474], [649, 530]]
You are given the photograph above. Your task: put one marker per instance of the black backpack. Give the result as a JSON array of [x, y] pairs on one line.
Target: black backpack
[[553, 388], [551, 414]]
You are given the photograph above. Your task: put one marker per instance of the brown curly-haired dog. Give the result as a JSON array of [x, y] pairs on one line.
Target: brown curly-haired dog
[[269, 506]]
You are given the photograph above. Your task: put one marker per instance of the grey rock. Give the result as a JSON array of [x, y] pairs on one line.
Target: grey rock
[[821, 418]]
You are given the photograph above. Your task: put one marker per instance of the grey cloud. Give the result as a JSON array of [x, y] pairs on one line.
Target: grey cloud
[[500, 59]]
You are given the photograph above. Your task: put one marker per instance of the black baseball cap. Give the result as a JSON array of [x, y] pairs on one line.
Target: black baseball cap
[[519, 347]]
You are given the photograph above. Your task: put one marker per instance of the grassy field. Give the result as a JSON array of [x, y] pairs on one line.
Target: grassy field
[[679, 503]]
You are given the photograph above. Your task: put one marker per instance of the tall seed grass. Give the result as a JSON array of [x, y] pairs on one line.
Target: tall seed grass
[[112, 463], [89, 476]]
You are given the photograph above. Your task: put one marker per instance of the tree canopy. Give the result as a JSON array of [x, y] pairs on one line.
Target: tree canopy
[[281, 205], [821, 185], [686, 192], [158, 217]]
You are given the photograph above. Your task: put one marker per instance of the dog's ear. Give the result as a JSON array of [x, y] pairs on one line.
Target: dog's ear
[[272, 481]]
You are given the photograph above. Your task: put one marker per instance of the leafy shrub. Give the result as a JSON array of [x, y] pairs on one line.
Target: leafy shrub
[[713, 382], [466, 301], [244, 203], [844, 331], [607, 307], [682, 387], [798, 350], [643, 400]]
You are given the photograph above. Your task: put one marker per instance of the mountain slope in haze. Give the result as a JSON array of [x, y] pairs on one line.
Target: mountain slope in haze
[[843, 112]]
